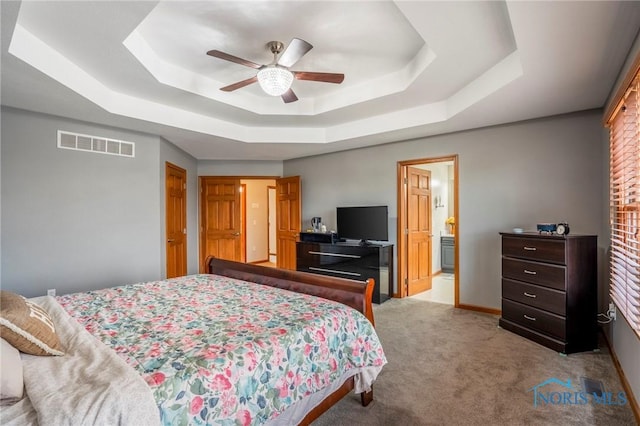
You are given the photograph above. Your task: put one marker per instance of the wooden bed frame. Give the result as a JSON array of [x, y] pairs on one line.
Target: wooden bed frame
[[356, 294]]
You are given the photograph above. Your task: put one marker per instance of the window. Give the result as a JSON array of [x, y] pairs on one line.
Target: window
[[624, 202]]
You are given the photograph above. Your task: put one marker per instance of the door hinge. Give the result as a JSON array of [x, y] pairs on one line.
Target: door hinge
[[406, 231]]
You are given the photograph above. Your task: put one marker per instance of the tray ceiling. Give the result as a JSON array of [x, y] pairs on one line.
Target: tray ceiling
[[412, 69]]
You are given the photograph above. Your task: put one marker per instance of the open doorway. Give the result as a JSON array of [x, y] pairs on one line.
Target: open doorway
[[238, 224], [257, 223], [428, 237], [234, 218]]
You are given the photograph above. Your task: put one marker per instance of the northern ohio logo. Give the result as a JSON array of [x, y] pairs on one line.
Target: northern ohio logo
[[571, 396]]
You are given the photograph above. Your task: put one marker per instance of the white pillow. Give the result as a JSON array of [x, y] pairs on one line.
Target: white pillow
[[11, 384]]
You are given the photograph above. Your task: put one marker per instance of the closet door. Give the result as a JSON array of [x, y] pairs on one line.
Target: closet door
[[176, 220]]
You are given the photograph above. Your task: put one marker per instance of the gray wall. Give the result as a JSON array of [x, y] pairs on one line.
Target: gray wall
[[514, 175], [239, 168], [74, 220], [174, 155]]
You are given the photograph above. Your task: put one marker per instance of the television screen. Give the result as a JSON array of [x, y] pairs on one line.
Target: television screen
[[363, 223]]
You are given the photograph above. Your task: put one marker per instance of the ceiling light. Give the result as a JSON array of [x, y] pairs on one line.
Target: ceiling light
[[275, 80]]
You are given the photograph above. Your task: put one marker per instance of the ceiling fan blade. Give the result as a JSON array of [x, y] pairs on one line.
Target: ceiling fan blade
[[325, 77], [297, 49], [289, 96], [231, 58], [238, 85]]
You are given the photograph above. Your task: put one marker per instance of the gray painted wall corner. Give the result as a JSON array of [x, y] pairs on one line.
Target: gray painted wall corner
[[74, 220]]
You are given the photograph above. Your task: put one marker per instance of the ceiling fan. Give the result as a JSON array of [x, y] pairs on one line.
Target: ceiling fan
[[276, 78]]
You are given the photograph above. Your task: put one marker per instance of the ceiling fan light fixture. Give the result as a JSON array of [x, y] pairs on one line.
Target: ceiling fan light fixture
[[274, 80]]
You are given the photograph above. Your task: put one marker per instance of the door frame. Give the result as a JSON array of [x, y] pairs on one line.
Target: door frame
[[243, 222], [402, 255], [271, 225]]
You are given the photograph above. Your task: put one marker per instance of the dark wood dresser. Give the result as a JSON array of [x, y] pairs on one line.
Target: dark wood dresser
[[350, 260], [549, 289]]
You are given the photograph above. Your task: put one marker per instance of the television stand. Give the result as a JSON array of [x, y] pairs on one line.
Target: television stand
[[351, 260]]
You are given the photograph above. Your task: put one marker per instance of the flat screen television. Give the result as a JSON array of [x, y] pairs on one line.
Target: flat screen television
[[363, 223]]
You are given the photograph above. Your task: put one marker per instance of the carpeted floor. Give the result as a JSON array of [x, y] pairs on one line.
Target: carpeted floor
[[449, 366]]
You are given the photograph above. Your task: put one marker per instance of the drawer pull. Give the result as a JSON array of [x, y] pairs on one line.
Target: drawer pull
[[533, 296], [322, 253], [530, 248], [529, 318], [335, 271], [526, 271]]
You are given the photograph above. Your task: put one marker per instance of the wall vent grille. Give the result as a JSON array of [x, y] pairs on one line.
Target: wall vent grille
[[79, 142]]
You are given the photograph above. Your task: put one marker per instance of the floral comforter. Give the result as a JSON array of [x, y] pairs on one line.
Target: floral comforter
[[216, 350]]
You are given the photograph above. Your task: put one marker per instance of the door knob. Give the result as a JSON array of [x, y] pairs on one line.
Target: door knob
[[171, 240]]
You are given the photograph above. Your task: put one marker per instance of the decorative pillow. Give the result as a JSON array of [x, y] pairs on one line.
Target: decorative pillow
[[27, 326], [11, 381]]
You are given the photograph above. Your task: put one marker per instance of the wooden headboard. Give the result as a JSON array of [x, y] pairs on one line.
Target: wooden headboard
[[356, 294]]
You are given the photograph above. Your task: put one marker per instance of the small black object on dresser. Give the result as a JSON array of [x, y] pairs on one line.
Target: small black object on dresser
[[319, 237], [350, 260], [549, 289]]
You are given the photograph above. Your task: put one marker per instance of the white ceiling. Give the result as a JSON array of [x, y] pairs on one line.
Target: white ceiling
[[412, 69]]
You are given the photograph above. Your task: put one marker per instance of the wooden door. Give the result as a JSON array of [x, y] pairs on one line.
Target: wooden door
[[418, 230], [288, 221], [220, 219], [176, 220]]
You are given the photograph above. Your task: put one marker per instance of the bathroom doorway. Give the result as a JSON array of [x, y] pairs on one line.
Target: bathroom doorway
[[428, 229]]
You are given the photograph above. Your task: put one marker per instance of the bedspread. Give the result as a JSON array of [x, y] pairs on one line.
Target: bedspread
[[216, 350]]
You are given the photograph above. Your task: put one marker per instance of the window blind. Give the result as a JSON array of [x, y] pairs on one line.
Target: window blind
[[624, 203]]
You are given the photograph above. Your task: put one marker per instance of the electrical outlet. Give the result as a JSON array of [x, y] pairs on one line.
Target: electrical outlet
[[51, 292], [612, 311]]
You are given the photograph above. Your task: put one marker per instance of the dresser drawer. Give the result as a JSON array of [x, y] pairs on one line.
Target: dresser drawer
[[344, 269], [335, 250], [534, 295], [548, 275], [534, 249], [535, 319]]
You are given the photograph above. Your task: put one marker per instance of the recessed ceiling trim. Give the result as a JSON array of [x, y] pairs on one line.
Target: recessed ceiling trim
[[43, 57], [496, 77], [181, 78]]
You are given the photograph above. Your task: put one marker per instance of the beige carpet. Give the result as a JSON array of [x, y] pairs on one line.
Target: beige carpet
[[455, 367]]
